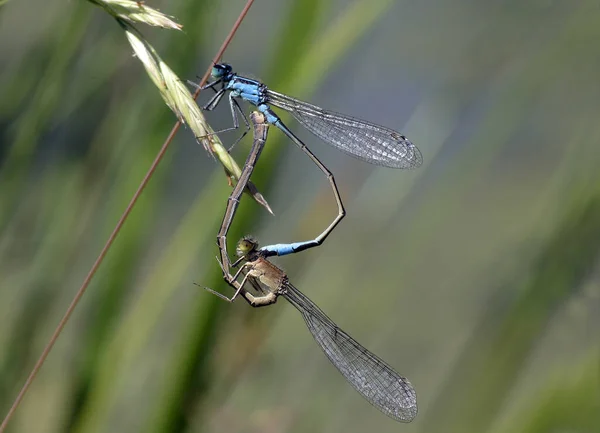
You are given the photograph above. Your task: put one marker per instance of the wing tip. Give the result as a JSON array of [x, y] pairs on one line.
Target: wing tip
[[407, 413]]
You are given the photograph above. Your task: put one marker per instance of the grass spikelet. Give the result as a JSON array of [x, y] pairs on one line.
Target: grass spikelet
[[137, 12]]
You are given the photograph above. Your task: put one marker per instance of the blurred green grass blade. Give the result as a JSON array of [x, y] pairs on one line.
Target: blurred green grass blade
[[486, 371], [488, 368], [19, 80], [127, 164], [333, 44], [570, 401], [179, 255], [43, 103], [122, 260], [183, 51], [96, 74], [47, 269], [297, 28], [516, 96]]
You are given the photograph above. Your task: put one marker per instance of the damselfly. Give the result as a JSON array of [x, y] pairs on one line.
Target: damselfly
[[365, 140], [369, 375]]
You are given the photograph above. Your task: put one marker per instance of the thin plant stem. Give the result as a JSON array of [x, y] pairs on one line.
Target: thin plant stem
[[116, 230]]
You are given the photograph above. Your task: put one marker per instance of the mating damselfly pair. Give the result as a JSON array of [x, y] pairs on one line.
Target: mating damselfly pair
[[369, 375], [364, 140]]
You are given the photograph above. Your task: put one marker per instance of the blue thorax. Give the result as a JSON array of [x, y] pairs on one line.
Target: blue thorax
[[249, 90]]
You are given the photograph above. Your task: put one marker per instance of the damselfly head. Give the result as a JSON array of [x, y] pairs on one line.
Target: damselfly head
[[221, 70], [246, 245]]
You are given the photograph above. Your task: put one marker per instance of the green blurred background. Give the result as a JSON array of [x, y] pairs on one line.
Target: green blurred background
[[476, 276]]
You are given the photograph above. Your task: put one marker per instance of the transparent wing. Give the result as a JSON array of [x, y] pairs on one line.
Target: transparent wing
[[369, 375], [370, 142]]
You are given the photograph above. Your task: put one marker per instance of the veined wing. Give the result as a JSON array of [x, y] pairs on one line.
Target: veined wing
[[370, 142], [373, 378]]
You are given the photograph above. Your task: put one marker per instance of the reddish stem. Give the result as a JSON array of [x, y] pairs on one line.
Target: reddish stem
[[115, 232]]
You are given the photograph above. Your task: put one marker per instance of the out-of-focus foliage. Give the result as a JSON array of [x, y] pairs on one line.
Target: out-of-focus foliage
[[476, 276]]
